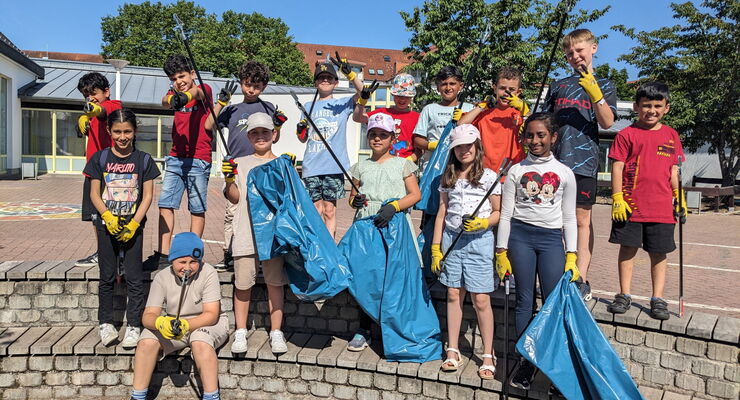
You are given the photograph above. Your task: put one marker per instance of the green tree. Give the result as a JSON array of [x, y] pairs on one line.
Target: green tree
[[446, 32], [698, 58], [625, 91], [145, 35]]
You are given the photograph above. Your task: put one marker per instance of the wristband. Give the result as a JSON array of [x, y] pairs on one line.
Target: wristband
[[602, 101]]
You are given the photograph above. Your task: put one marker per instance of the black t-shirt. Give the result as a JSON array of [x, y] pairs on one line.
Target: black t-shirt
[[578, 142], [235, 117], [122, 179]]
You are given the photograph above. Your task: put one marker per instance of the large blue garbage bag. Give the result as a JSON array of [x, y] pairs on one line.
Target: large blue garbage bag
[[565, 343], [432, 174], [388, 284], [285, 222]]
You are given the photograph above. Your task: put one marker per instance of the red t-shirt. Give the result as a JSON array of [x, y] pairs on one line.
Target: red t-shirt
[[406, 121], [98, 137], [190, 139], [648, 158], [499, 131]]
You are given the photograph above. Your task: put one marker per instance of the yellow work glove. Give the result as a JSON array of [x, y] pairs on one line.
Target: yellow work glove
[[411, 158], [178, 100], [487, 102], [518, 104], [184, 328], [128, 231], [290, 156], [432, 145], [343, 66], [92, 109], [503, 265], [358, 201], [457, 114], [366, 92], [111, 222], [679, 205], [570, 265], [471, 224], [228, 168], [83, 126], [224, 96], [620, 208], [589, 84], [436, 259], [163, 324]]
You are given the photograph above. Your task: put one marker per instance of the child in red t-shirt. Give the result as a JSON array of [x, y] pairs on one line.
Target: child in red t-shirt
[[403, 91], [98, 105], [188, 164], [499, 119], [644, 189]]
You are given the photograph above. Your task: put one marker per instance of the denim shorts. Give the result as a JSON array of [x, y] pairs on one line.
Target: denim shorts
[[182, 174], [470, 264], [325, 187]]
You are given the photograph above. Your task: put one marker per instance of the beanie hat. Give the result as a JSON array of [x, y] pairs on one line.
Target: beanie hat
[[186, 244]]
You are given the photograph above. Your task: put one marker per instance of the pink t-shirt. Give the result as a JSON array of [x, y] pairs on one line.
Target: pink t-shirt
[[648, 158]]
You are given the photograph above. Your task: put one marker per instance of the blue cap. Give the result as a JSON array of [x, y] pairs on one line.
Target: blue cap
[[186, 244]]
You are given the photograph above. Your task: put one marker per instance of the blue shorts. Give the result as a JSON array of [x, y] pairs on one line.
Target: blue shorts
[[181, 174], [470, 264]]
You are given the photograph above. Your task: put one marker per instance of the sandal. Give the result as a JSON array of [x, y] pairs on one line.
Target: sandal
[[451, 364], [485, 367]]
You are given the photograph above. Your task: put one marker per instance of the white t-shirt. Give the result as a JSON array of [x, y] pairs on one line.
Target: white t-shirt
[[539, 191], [433, 119], [463, 198]]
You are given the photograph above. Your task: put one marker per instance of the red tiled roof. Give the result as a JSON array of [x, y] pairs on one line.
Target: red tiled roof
[[368, 58], [56, 55]]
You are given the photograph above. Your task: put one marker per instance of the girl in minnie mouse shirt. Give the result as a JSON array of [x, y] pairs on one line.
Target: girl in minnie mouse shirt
[[538, 211]]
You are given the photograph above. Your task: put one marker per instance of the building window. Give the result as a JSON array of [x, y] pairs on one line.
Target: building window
[[371, 71], [68, 144], [319, 52], [380, 96], [380, 72], [36, 132], [387, 58]]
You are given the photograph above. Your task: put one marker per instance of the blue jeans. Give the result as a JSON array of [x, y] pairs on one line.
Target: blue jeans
[[470, 263], [181, 174], [534, 250]]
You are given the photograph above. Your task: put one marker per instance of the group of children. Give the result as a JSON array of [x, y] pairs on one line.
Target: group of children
[[541, 208]]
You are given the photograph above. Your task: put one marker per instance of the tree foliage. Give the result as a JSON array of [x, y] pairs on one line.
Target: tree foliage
[[698, 58], [625, 91], [446, 32], [145, 35]]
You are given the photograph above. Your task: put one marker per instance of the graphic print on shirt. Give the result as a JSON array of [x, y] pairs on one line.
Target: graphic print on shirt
[[630, 173], [398, 145], [121, 191], [327, 128], [667, 149], [539, 188]]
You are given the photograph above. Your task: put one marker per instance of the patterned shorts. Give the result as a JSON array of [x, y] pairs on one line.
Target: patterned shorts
[[325, 187]]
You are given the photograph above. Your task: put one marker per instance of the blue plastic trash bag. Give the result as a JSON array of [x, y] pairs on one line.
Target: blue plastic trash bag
[[432, 174], [285, 222], [388, 284], [565, 343]]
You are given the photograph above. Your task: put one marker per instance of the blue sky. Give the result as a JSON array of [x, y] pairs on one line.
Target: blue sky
[[60, 26]]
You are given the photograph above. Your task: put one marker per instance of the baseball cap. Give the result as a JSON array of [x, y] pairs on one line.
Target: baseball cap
[[381, 121], [464, 134], [403, 85], [259, 120], [186, 244], [327, 67]]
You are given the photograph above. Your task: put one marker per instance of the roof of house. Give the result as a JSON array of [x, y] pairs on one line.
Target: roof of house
[[58, 55], [367, 58], [140, 86], [8, 49]]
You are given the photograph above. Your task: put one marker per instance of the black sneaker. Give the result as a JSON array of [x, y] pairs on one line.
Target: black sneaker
[[585, 289], [523, 375], [89, 261], [227, 264], [620, 305], [156, 262], [659, 309]]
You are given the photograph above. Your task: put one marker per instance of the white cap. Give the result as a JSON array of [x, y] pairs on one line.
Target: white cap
[[464, 134], [260, 120]]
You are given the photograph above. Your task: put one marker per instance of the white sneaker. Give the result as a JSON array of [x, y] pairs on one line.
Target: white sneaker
[[277, 342], [108, 334], [131, 338], [240, 341]]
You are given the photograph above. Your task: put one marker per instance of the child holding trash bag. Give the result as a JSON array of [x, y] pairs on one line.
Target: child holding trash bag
[[468, 267], [191, 294], [538, 209], [121, 190], [261, 133], [381, 177]]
